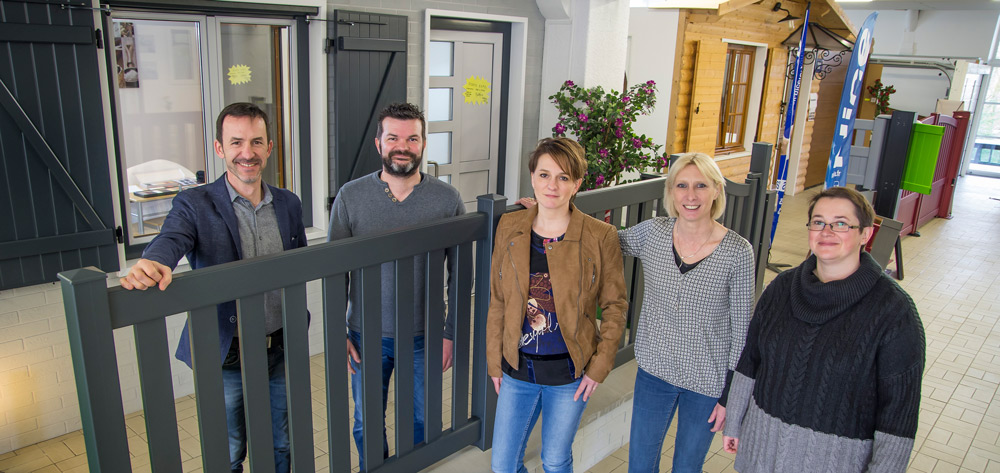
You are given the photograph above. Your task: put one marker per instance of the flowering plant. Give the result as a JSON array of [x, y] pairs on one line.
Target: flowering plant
[[602, 123], [880, 96]]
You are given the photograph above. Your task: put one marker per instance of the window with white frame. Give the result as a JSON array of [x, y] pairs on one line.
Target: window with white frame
[[172, 74]]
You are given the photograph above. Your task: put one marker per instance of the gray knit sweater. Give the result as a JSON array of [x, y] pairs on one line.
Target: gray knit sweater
[[365, 206], [692, 325], [829, 380]]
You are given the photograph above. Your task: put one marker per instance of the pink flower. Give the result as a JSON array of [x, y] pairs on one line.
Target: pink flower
[[619, 133], [559, 128], [603, 152], [636, 142], [626, 98], [650, 82], [619, 122], [569, 83], [600, 180], [582, 117]]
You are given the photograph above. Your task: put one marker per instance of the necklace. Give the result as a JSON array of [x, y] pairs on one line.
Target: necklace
[[702, 245]]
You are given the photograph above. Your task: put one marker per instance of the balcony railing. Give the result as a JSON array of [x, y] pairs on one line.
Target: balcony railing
[[93, 311]]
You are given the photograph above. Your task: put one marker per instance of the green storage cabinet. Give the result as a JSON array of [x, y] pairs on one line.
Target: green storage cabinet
[[921, 158]]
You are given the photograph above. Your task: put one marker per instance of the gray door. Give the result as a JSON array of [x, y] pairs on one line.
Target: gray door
[[368, 71], [57, 209], [463, 110]]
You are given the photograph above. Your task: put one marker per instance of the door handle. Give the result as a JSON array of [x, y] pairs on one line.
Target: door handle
[[435, 164]]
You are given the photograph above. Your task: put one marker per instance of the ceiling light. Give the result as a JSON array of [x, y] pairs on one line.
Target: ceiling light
[[788, 14]]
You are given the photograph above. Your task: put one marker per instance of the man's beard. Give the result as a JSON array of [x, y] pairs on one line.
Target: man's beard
[[401, 170]]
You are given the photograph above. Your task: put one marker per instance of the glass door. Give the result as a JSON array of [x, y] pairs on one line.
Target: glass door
[[985, 158], [161, 119], [254, 68]]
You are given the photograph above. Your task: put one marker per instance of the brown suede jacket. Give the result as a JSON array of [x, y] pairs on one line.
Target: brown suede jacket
[[586, 272]]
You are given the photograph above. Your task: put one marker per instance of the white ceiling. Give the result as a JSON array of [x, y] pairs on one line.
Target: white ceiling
[[922, 5]]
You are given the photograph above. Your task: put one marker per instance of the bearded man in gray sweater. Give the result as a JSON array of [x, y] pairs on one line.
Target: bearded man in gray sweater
[[395, 197]]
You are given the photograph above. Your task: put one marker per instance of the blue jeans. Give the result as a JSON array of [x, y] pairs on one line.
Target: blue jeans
[[518, 408], [653, 405], [388, 362], [232, 384]]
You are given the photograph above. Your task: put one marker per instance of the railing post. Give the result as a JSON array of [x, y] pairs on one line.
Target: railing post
[[672, 160], [484, 398], [760, 159], [95, 368]]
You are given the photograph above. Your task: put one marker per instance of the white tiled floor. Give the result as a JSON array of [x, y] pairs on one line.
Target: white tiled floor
[[949, 271]]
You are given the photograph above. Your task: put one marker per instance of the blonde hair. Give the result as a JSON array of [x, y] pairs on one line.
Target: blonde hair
[[706, 165]]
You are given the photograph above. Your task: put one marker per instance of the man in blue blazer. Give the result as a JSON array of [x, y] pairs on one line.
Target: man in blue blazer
[[238, 216]]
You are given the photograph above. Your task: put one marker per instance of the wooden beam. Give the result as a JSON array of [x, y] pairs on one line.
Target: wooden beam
[[675, 85], [733, 5], [840, 16]]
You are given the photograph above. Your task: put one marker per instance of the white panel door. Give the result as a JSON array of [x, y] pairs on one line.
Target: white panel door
[[463, 110]]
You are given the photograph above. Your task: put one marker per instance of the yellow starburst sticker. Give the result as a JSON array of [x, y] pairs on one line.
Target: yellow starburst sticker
[[477, 90], [239, 74]]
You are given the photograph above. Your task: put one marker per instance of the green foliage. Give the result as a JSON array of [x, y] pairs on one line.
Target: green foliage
[[880, 96], [603, 123]]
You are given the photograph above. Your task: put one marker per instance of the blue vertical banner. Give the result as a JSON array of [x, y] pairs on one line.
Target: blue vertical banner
[[793, 101], [836, 169]]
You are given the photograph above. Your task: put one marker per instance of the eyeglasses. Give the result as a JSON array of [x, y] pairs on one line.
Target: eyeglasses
[[838, 227]]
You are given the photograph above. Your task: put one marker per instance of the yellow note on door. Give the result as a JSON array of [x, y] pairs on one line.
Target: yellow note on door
[[239, 74], [477, 91]]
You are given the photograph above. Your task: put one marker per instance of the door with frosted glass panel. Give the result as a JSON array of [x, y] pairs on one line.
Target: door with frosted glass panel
[[463, 110], [253, 68]]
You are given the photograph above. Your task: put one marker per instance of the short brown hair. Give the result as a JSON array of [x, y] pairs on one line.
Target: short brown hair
[[708, 168], [862, 208], [241, 109], [566, 152], [401, 111]]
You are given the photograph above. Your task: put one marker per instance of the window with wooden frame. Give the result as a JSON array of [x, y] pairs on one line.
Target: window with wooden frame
[[735, 97]]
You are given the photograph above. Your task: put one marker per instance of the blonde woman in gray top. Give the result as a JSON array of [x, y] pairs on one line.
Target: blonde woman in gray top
[[697, 305]]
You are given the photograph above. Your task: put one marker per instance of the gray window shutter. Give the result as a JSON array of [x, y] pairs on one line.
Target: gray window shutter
[[369, 72], [55, 196]]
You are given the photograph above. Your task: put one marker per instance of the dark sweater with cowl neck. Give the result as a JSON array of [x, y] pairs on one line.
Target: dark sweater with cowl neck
[[829, 378]]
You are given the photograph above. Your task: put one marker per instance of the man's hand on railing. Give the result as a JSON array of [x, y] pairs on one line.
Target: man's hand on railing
[[352, 354], [587, 387], [147, 273], [447, 349], [527, 202]]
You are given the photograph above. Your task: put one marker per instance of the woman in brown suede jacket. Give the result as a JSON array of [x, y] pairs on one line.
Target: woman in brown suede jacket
[[553, 267]]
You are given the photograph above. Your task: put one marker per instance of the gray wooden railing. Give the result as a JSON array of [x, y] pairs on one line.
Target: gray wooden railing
[[93, 311]]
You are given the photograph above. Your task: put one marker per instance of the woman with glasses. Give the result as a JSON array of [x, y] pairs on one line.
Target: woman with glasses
[[553, 268], [829, 379], [696, 306]]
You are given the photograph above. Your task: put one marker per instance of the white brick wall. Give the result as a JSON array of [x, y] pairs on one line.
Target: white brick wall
[[38, 399], [37, 392]]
